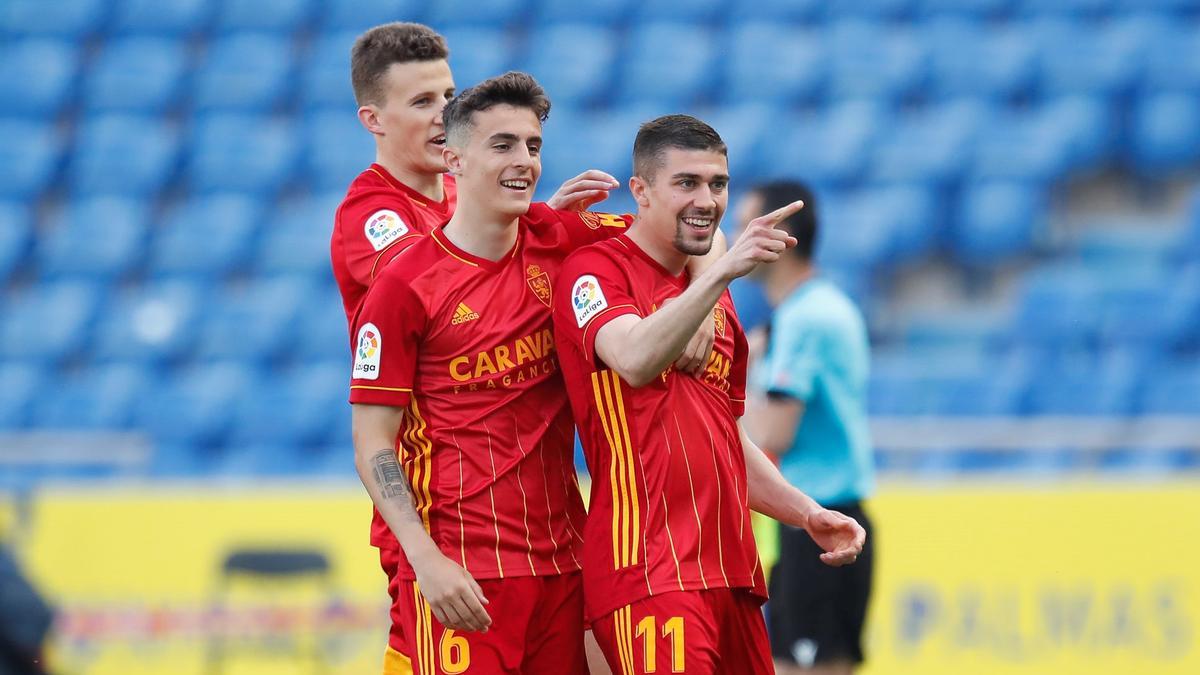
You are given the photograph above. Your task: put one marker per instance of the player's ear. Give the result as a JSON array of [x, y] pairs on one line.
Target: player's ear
[[453, 160], [638, 188], [369, 118]]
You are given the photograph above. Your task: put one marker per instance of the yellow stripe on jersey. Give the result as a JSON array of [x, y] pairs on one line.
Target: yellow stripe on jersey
[[623, 477], [422, 463], [364, 386], [624, 631]]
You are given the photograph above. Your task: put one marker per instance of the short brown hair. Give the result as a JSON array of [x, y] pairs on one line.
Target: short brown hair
[[671, 131], [512, 88], [377, 49]]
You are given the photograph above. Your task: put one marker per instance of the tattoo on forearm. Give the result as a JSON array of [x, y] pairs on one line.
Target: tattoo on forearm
[[390, 479]]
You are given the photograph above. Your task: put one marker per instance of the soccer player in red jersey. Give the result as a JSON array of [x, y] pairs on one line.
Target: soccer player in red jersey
[[402, 81], [456, 372], [672, 579]]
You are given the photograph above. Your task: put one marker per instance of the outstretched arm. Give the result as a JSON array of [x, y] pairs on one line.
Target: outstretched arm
[[840, 536], [453, 595], [641, 348]]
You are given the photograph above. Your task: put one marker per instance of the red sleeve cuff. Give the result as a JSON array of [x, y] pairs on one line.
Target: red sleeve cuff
[[597, 322], [375, 395]]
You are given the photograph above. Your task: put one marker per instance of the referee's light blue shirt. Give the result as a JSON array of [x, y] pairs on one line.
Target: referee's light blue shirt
[[819, 354]]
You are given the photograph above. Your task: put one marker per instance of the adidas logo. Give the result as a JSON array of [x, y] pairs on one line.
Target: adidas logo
[[463, 314]]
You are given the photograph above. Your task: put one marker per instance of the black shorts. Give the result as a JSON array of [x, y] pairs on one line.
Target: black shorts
[[816, 612]]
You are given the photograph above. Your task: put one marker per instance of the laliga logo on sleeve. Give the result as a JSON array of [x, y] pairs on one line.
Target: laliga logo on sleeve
[[384, 227], [587, 299], [366, 355]]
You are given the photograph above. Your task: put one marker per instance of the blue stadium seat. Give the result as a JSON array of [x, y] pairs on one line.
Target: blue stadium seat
[[297, 242], [75, 20], [874, 10], [1137, 309], [773, 62], [915, 218], [932, 146], [101, 397], [254, 322], [668, 63], [194, 407], [576, 141], [996, 220], [980, 329], [1021, 145], [597, 12], [979, 9], [1165, 133], [1088, 125], [207, 237], [101, 238], [574, 62], [246, 72], [1077, 58], [697, 11], [150, 324], [16, 235], [324, 335], [908, 383], [1068, 388], [124, 155], [340, 148], [1171, 390], [29, 157], [325, 77], [178, 18], [750, 300], [304, 407], [491, 13], [242, 153], [1171, 62], [137, 74], [18, 389], [1058, 308], [1123, 242], [858, 234], [482, 52], [885, 63], [830, 149], [359, 15], [36, 77], [744, 128], [48, 323], [968, 58], [284, 16]]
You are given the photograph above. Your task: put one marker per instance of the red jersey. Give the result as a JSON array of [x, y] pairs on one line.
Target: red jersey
[[378, 219], [669, 505], [466, 347]]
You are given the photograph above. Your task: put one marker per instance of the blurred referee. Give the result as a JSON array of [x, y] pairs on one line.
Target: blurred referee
[[814, 375]]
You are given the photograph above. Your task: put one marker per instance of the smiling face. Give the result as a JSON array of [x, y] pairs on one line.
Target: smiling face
[[408, 122], [497, 160], [684, 200]]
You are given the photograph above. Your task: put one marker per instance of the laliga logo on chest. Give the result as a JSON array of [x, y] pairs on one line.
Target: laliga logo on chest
[[587, 298]]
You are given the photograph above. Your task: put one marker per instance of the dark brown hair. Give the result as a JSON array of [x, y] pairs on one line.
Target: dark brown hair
[[377, 49], [671, 131], [512, 88]]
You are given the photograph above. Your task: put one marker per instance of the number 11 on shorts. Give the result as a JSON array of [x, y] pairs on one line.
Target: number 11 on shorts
[[672, 629]]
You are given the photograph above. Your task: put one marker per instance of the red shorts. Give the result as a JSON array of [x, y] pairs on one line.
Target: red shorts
[[697, 632], [537, 629]]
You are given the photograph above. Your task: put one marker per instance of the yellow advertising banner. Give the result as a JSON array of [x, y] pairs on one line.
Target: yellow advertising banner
[[978, 579]]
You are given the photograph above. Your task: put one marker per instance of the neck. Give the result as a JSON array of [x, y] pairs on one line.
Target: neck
[[662, 251], [481, 232], [428, 184], [786, 277]]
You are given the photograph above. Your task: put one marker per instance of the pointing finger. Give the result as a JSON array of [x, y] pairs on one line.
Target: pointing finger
[[783, 213]]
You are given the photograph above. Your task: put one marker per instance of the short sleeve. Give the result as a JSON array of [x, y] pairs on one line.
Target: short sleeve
[[592, 290], [585, 227], [374, 228], [792, 362], [387, 337]]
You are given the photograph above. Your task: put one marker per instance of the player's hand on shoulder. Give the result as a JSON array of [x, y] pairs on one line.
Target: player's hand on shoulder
[[455, 598], [839, 535], [583, 191], [760, 242]]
